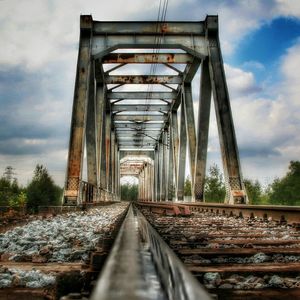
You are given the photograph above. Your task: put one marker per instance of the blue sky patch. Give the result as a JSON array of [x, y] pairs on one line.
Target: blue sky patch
[[259, 51], [269, 42]]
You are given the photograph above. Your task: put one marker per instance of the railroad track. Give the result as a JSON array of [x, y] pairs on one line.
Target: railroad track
[[236, 252], [254, 257]]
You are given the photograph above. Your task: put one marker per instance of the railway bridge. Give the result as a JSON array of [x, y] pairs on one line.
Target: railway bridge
[[133, 115], [133, 111]]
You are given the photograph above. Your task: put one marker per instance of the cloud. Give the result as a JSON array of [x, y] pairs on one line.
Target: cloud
[[240, 81], [37, 73]]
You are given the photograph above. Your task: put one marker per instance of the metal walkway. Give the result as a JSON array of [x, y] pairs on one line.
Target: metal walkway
[[133, 110]]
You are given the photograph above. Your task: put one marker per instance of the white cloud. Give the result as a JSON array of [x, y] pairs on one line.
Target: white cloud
[[240, 82], [41, 38]]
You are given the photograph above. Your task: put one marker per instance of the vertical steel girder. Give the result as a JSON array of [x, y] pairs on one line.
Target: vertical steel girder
[[164, 181], [232, 171], [100, 124], [202, 134], [108, 148], [93, 125], [77, 134], [182, 153], [91, 132], [156, 174], [190, 127], [170, 184], [175, 145]]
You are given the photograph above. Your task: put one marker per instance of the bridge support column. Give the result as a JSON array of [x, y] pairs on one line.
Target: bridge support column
[[108, 150], [113, 161], [203, 129], [235, 189], [77, 135], [175, 143], [156, 174], [164, 181], [160, 169], [91, 137], [190, 128], [182, 153], [170, 184], [100, 117]]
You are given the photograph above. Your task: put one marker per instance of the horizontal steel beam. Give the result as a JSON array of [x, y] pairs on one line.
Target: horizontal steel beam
[[123, 134], [143, 79], [138, 126], [141, 107], [172, 28], [135, 153], [147, 58], [135, 138], [141, 95], [139, 118], [132, 142], [153, 134]]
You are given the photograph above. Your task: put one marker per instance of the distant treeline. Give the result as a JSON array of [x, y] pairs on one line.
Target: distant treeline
[[282, 191], [41, 191]]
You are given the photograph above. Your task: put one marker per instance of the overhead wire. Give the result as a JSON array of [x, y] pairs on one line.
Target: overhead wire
[[161, 17]]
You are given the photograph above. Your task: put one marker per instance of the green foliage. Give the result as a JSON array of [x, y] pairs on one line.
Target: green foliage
[[129, 192], [214, 188], [19, 200], [254, 191], [8, 191], [286, 191], [187, 187], [42, 191]]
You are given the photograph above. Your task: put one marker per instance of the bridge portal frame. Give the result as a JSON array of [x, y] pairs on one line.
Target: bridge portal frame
[[97, 122]]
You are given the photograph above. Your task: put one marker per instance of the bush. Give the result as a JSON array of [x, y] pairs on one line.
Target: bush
[[42, 191]]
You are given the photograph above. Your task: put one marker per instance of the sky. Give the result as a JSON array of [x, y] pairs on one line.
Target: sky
[[260, 41]]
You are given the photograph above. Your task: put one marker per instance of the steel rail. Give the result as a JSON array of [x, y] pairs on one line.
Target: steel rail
[[281, 213], [123, 274]]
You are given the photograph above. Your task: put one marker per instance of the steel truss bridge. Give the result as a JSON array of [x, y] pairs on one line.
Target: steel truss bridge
[[136, 122]]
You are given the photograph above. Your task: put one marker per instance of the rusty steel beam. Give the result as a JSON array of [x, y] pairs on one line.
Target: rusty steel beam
[[147, 58], [170, 182], [143, 79], [182, 154], [190, 127], [175, 144], [140, 118], [202, 132], [142, 27], [100, 116], [229, 149], [141, 95], [76, 143], [138, 126], [91, 132], [140, 107]]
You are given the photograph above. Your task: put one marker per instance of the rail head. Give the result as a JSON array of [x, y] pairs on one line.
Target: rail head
[[178, 282], [122, 277], [280, 213]]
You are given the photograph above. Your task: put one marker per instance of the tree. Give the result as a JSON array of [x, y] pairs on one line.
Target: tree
[[214, 188], [129, 192], [286, 191], [18, 201], [9, 190], [42, 190], [187, 187], [254, 191]]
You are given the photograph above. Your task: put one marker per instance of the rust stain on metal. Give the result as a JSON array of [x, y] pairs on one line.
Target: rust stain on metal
[[164, 28], [170, 58]]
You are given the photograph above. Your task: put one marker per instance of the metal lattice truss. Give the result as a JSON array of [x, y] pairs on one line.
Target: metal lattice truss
[[132, 79]]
